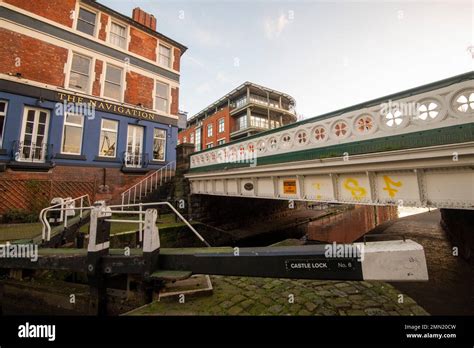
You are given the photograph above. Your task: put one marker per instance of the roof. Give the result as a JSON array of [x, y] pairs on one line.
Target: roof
[[131, 21], [237, 90]]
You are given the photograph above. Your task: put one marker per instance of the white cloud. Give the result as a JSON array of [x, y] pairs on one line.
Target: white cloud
[[273, 27]]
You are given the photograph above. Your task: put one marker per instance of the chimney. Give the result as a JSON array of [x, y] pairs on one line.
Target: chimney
[[144, 18]]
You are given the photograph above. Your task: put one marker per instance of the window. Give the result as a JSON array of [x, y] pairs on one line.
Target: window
[[221, 125], [198, 139], [221, 142], [191, 138], [72, 134], [86, 21], [113, 83], [3, 115], [185, 140], [242, 122], [161, 99], [164, 56], [209, 130], [80, 73], [159, 144], [208, 146], [118, 35], [108, 138]]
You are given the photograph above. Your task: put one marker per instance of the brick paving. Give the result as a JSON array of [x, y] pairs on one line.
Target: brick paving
[[263, 296]]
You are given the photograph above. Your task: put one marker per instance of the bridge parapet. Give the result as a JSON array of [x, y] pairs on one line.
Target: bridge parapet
[[429, 115], [414, 148]]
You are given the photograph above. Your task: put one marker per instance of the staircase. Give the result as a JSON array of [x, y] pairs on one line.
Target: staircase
[[152, 183]]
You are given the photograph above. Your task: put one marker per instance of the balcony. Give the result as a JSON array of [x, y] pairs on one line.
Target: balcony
[[256, 124], [259, 101], [27, 155], [135, 162]]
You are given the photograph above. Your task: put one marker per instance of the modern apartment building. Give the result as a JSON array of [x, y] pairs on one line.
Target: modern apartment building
[[248, 109], [87, 95]]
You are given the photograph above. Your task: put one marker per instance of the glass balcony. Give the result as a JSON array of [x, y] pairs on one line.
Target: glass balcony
[[256, 122], [259, 100]]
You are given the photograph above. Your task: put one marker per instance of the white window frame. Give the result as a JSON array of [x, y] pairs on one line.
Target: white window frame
[[104, 80], [209, 130], [164, 139], [168, 101], [198, 134], [4, 114], [210, 145], [109, 130], [97, 19], [127, 33], [221, 141], [171, 55], [191, 137], [65, 123], [91, 70], [219, 124]]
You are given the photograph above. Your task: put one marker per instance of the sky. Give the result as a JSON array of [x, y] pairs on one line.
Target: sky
[[326, 54]]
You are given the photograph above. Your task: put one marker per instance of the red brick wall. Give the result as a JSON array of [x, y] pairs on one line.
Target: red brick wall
[[177, 59], [142, 44], [104, 19], [98, 72], [348, 226], [213, 119], [39, 61], [58, 11], [64, 181], [174, 109], [139, 90], [186, 133]]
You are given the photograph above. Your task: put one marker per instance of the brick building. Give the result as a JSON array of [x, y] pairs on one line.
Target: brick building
[[88, 98], [246, 110]]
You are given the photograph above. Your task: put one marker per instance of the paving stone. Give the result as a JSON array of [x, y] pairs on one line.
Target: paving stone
[[238, 298], [355, 312], [304, 312], [235, 310], [339, 293], [247, 303], [310, 306], [275, 309], [375, 311]]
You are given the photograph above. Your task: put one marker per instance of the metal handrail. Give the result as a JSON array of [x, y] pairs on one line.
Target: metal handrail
[[141, 211], [148, 184], [46, 229]]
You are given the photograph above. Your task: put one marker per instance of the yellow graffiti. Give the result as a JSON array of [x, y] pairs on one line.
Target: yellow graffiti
[[356, 191], [317, 186], [391, 191]]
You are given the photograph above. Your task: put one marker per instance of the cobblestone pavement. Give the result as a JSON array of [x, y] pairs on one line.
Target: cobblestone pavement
[[263, 296]]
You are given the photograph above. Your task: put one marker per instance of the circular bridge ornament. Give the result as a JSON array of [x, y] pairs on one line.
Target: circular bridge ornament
[[364, 124], [429, 110], [248, 186], [340, 129], [464, 102], [319, 134], [301, 137]]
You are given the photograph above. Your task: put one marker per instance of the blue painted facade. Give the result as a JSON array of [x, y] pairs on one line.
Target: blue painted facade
[[91, 134]]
